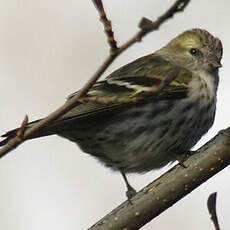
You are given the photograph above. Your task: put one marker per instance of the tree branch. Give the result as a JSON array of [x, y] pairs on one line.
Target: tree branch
[[170, 187], [146, 26]]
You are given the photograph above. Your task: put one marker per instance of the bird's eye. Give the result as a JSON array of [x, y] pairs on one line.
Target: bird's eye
[[193, 51]]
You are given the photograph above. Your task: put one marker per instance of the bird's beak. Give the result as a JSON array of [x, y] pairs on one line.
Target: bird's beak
[[216, 64]]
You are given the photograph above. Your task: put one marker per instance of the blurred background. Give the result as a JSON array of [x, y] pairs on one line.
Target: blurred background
[[48, 49]]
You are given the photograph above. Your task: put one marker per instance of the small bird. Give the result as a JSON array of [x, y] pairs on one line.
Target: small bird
[[149, 112]]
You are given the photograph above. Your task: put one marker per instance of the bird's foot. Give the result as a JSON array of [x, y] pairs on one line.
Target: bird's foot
[[130, 193], [183, 157]]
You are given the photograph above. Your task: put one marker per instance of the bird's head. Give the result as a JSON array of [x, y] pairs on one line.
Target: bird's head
[[195, 50]]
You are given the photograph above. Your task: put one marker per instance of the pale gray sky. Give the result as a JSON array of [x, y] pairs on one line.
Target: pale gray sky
[[48, 49]]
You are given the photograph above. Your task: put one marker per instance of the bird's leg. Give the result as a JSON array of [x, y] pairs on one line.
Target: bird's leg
[[181, 158], [130, 190]]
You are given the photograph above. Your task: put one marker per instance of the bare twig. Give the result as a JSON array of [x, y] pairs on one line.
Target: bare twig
[[22, 129], [107, 26], [20, 134], [170, 187], [211, 203], [146, 26]]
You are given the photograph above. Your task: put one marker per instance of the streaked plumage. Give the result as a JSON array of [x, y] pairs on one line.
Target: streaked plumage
[[130, 126]]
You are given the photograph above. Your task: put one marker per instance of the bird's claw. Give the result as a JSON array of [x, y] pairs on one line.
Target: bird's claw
[[130, 193], [182, 158]]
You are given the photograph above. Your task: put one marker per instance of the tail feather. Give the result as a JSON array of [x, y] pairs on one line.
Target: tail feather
[[51, 129], [57, 127], [12, 133], [9, 135]]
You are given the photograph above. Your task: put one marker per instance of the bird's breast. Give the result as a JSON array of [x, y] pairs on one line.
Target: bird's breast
[[203, 87]]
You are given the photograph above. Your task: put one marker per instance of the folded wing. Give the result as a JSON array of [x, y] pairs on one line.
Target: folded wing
[[147, 78]]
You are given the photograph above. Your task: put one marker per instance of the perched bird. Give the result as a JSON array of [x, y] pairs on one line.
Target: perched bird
[[150, 111]]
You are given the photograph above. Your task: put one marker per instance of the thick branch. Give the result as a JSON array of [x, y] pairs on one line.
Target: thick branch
[[170, 187], [146, 26]]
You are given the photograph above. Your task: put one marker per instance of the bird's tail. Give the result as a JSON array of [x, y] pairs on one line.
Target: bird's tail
[[7, 136], [12, 133]]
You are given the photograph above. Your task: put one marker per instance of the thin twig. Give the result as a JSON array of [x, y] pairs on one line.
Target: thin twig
[[107, 26], [21, 132], [146, 26], [211, 203]]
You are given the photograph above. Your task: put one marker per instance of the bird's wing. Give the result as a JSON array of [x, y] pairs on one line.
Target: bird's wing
[[149, 77]]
